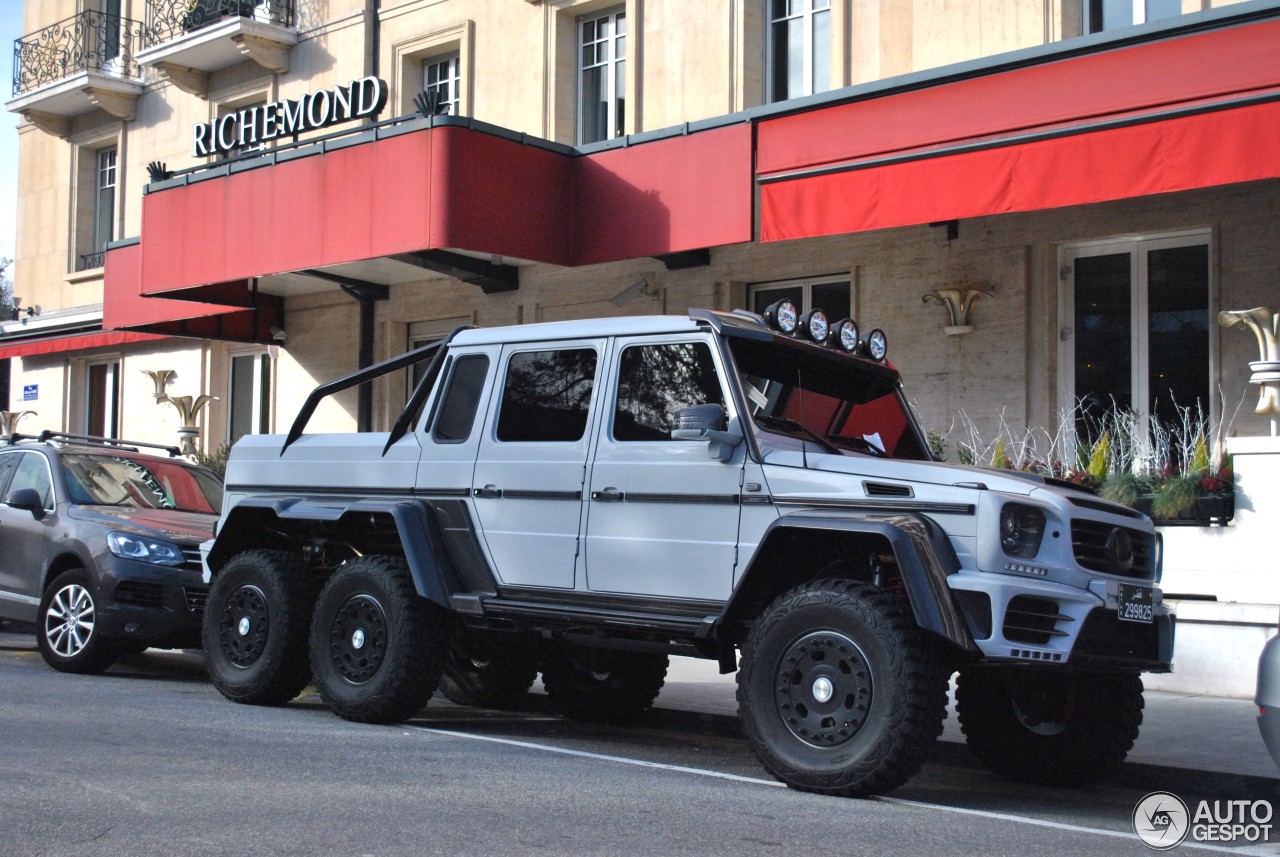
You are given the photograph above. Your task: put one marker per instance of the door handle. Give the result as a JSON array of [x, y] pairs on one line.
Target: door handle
[[490, 492], [608, 494]]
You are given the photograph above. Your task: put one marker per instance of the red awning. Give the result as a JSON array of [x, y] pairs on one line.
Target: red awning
[[72, 342], [245, 317], [1195, 111], [448, 187], [1188, 153]]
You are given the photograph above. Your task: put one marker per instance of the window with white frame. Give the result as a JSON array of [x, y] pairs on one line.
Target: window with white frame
[[799, 48], [99, 208], [1136, 329], [249, 411], [832, 295], [440, 79], [102, 398], [602, 76], [1102, 15]]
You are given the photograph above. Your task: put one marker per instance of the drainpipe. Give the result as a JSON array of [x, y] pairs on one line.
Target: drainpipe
[[367, 296], [372, 38]]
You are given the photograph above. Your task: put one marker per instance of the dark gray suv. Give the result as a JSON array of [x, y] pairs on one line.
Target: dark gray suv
[[99, 545]]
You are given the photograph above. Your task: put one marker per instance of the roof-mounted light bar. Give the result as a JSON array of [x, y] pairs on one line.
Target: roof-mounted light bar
[[783, 317]]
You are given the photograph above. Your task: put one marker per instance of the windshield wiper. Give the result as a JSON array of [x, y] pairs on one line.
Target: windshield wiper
[[795, 425], [859, 444]]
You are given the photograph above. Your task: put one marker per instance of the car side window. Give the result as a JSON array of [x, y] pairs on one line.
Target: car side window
[[546, 395], [32, 472], [461, 399], [656, 381], [7, 462]]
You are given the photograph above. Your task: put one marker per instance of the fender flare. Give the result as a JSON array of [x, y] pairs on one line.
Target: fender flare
[[434, 576], [923, 552]]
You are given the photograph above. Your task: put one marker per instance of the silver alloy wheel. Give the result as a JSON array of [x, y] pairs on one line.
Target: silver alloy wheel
[[69, 621]]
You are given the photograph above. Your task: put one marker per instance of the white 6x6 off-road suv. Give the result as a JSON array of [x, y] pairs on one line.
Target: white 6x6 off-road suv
[[586, 498]]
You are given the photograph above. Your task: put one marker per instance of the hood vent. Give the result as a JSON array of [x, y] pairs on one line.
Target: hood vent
[[885, 489]]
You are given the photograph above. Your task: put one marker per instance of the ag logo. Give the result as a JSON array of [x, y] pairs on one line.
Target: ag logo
[[1161, 820]]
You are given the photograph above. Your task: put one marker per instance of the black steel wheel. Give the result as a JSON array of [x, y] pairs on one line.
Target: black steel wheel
[[602, 685], [67, 632], [489, 669], [1049, 727], [838, 691], [377, 647], [255, 627]]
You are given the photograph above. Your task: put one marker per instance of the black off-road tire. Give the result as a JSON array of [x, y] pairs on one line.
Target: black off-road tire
[[838, 691], [489, 669], [1057, 729], [255, 627], [67, 628], [601, 685], [377, 647]]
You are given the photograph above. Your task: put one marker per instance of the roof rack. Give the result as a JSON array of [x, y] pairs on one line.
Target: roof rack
[[92, 440]]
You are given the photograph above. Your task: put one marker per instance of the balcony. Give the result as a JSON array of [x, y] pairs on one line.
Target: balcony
[[77, 65], [186, 42]]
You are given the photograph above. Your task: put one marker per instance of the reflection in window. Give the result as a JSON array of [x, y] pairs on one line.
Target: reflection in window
[[441, 76], [656, 381], [33, 472], [831, 295], [461, 399], [250, 395], [120, 480], [602, 75], [547, 395], [1103, 15], [852, 407], [799, 48]]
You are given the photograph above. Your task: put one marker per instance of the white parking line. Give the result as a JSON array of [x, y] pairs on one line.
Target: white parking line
[[757, 781]]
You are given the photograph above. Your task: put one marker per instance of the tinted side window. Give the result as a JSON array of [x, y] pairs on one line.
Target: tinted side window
[[7, 462], [656, 381], [461, 398], [546, 395], [33, 472]]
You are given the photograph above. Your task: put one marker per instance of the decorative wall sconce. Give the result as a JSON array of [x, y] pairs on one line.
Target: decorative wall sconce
[[958, 303], [1265, 325], [9, 421], [188, 408]]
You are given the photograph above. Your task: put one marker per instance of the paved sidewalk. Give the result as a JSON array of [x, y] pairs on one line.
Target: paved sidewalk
[[1195, 735]]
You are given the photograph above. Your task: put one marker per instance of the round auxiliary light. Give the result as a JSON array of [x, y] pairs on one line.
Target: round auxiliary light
[[783, 316], [814, 324], [844, 334], [876, 345]]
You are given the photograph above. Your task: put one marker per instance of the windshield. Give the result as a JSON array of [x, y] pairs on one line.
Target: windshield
[[831, 401], [147, 483]]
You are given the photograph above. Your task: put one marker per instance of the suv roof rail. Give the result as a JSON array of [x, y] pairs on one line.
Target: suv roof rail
[[93, 440], [15, 437]]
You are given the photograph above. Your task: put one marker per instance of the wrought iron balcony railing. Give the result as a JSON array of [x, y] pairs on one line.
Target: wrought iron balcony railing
[[172, 19], [89, 41], [89, 261]]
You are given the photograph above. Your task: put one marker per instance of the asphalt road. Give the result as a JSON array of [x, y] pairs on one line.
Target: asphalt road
[[150, 759]]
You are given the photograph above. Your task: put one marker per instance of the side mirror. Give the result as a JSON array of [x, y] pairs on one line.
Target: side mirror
[[707, 423], [26, 498]]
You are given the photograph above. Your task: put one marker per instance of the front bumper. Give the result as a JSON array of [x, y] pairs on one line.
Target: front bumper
[[151, 605], [1039, 621]]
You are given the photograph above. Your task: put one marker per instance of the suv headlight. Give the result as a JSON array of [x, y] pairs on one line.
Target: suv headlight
[[1021, 530], [145, 550]]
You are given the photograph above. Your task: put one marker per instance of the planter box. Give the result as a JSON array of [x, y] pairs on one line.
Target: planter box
[[1210, 510]]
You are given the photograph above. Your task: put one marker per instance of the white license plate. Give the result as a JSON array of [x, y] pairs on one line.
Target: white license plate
[[1135, 604]]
